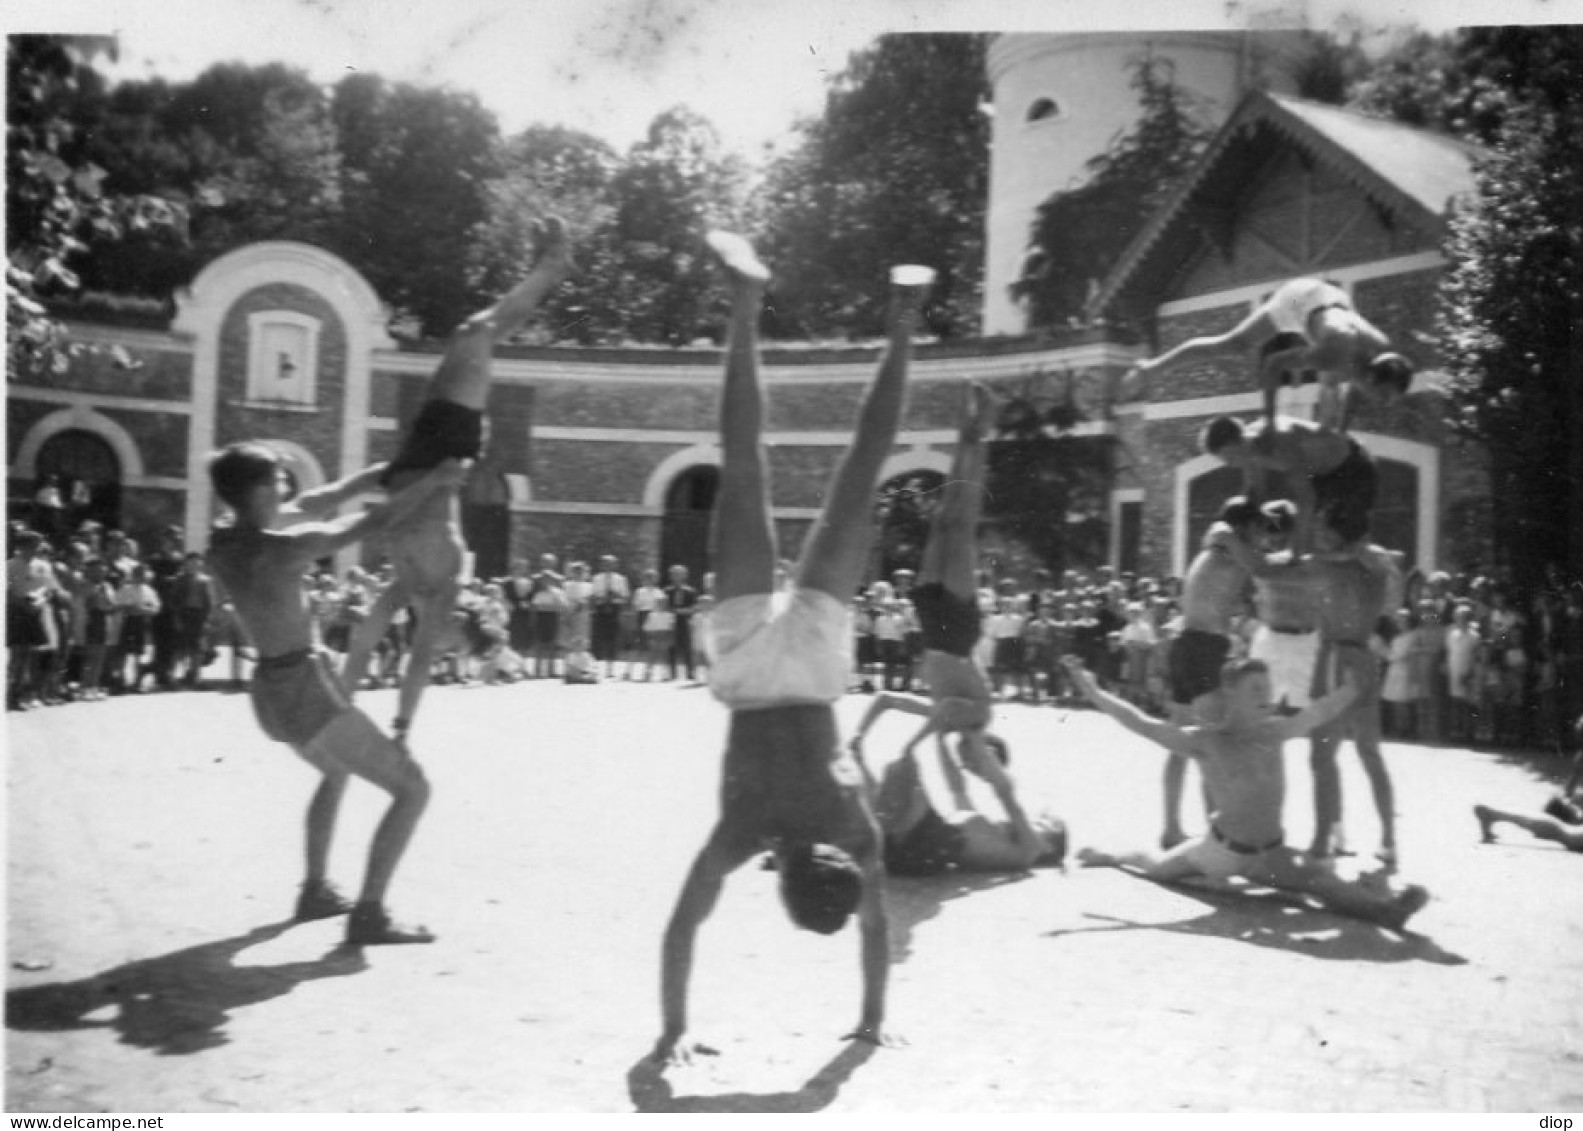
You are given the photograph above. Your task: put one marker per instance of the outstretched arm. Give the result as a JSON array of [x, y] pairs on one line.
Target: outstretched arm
[[323, 500], [1025, 846], [1320, 712], [1240, 338], [319, 539], [1171, 737], [886, 701]]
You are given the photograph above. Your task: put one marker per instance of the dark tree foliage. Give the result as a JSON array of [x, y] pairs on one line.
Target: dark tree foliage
[[902, 514], [1511, 315], [415, 166], [1078, 232], [896, 170], [58, 208]]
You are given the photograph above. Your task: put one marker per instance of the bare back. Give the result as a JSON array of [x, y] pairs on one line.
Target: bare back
[[1212, 591]]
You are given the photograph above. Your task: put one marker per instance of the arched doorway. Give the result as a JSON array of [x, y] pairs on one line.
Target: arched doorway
[[486, 523], [689, 508], [89, 475]]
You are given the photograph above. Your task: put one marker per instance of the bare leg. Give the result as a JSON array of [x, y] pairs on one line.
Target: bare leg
[[353, 744], [950, 556], [1174, 782], [744, 535], [1286, 870], [1166, 867], [1545, 828], [434, 611], [1327, 795], [1384, 795], [464, 374], [368, 634], [833, 559], [322, 811]]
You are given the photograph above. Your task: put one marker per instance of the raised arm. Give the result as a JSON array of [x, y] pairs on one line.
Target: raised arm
[[1025, 846], [1320, 712], [323, 500], [319, 539], [886, 701], [1171, 737]]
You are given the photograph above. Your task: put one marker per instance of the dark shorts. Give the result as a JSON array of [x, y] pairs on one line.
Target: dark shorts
[[443, 430], [947, 622], [1286, 340], [1195, 662], [606, 640], [297, 695], [787, 776], [1350, 486], [928, 848]]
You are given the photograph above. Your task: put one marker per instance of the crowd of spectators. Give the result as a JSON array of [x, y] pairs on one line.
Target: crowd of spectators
[[91, 613]]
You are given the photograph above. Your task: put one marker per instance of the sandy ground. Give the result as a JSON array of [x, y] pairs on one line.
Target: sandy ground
[[154, 850]]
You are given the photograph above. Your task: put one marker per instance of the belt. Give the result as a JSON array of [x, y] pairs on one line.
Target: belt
[[1290, 631], [284, 660], [1245, 849]]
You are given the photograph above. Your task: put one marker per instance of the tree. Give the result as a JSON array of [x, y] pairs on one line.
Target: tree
[[1511, 315], [415, 165], [895, 171], [673, 186], [57, 207], [552, 170], [1078, 232]]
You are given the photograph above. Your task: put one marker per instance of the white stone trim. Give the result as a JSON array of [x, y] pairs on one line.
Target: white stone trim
[[916, 460], [258, 365], [659, 481], [96, 400], [1288, 402], [1424, 457], [200, 313], [24, 462]]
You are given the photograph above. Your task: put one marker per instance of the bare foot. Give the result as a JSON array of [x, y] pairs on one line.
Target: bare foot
[[678, 1052], [737, 256], [1486, 820], [876, 1036]]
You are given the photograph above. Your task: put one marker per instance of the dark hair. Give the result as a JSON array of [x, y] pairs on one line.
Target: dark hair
[[239, 468], [1349, 523], [1391, 371], [1280, 516], [1219, 432], [1237, 512], [820, 886]]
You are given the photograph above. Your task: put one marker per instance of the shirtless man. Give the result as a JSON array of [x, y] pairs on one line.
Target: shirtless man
[[1211, 594], [1352, 585], [1326, 470], [428, 554], [1240, 756], [781, 656], [1307, 324], [296, 695], [1287, 639], [920, 840]]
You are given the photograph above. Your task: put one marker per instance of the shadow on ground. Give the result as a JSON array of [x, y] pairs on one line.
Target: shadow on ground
[[1272, 919], [177, 1003], [650, 1091]]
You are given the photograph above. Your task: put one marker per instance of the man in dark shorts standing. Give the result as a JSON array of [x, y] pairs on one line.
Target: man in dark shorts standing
[[429, 552], [1212, 592], [780, 660], [296, 694]]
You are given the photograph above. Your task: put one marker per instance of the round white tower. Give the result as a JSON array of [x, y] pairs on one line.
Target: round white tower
[[1061, 99]]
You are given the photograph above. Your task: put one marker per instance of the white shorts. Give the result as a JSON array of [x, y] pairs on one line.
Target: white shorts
[[1295, 302], [770, 650], [1290, 657]]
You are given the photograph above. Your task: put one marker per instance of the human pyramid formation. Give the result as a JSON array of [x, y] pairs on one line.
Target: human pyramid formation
[[782, 655]]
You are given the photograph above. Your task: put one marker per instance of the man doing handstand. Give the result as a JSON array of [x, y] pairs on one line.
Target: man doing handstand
[[781, 660], [296, 694], [429, 551]]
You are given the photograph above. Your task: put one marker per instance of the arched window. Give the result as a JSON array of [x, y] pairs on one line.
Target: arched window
[[1043, 109], [689, 505], [89, 475]]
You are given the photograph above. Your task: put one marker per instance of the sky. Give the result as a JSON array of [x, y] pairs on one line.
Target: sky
[[752, 67]]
